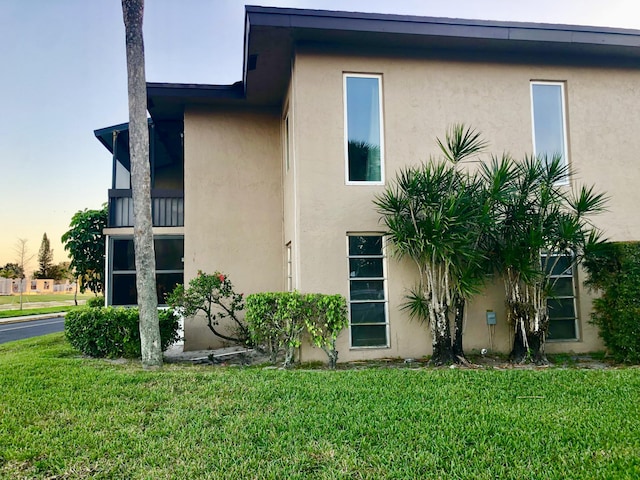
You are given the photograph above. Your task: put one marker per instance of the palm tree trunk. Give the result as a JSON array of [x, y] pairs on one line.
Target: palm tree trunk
[[536, 348], [132, 11], [458, 351], [519, 351], [441, 345], [531, 350]]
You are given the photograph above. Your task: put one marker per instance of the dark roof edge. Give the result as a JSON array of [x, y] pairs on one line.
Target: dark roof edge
[[101, 133], [325, 17], [113, 128], [194, 90]]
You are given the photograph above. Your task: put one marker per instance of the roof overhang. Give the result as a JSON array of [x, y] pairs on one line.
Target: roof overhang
[[273, 34], [117, 137], [105, 135]]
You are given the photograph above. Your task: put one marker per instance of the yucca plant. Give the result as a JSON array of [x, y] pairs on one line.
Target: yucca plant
[[537, 215], [435, 214]]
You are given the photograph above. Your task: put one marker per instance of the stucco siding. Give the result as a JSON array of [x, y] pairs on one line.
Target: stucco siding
[[233, 203], [421, 97], [242, 206]]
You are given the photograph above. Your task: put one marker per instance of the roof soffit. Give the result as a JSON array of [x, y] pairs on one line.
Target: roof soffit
[[271, 35]]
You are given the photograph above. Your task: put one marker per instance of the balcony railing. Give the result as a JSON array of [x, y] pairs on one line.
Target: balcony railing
[[167, 207]]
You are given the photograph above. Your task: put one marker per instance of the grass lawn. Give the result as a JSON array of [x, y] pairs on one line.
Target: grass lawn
[[53, 297], [62, 416]]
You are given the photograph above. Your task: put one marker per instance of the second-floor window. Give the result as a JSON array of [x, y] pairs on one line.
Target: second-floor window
[[549, 120], [287, 144], [363, 128]]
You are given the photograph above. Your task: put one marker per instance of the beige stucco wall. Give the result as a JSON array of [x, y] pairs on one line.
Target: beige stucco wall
[[289, 186], [233, 203], [420, 99]]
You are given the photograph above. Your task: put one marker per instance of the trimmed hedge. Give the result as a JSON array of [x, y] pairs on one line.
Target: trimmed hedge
[[279, 319], [276, 319], [113, 332], [614, 269], [95, 302]]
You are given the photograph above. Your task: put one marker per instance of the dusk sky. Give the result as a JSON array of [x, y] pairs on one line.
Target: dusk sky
[[64, 75]]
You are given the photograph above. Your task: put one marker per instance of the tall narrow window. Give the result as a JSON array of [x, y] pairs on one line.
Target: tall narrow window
[[549, 122], [561, 303], [363, 128], [367, 293], [287, 144], [289, 268]]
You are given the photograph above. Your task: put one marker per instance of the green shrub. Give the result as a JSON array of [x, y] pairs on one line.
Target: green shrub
[[614, 269], [95, 302], [113, 331], [278, 319], [325, 317]]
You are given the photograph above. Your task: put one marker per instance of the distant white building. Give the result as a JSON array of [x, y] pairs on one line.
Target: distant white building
[[9, 286]]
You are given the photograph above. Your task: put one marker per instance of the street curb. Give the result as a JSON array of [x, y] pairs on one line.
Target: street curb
[[30, 318]]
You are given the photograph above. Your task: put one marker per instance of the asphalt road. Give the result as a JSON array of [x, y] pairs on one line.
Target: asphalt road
[[34, 328]]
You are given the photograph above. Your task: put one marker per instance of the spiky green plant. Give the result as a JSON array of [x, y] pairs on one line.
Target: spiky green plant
[[434, 215], [537, 214]]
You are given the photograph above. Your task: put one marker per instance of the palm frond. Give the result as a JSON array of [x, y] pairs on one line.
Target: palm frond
[[416, 304], [588, 202], [461, 142]]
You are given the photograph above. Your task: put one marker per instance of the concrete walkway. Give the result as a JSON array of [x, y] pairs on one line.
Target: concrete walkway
[[222, 356]]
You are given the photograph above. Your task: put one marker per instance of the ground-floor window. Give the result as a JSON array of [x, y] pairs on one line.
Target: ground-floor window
[[368, 318], [289, 268], [561, 303], [122, 269]]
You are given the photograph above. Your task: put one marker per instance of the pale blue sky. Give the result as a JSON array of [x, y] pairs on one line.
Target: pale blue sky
[[63, 75]]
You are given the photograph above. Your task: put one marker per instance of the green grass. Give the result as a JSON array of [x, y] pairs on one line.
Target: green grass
[[62, 416], [57, 297], [35, 311]]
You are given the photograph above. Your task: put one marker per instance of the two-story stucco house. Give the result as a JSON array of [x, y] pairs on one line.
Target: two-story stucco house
[[256, 179]]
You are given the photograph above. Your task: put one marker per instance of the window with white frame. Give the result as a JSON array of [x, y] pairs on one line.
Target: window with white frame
[[364, 146], [561, 304], [549, 119], [289, 268], [368, 319]]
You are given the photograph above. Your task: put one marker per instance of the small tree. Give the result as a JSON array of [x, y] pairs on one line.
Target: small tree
[[434, 215], [85, 243], [11, 270], [538, 216], [214, 296], [60, 272], [22, 261], [45, 259]]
